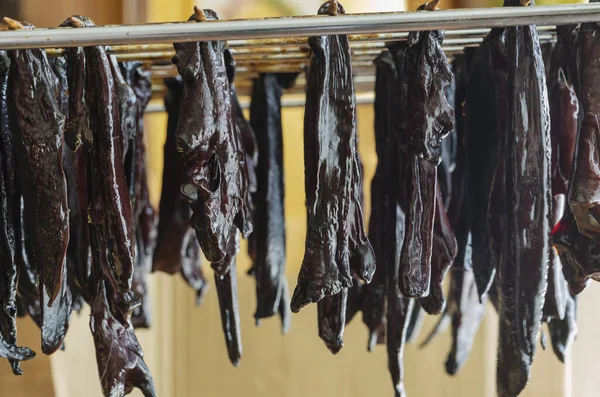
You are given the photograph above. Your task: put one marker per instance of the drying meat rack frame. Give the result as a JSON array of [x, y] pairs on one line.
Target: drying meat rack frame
[[280, 44]]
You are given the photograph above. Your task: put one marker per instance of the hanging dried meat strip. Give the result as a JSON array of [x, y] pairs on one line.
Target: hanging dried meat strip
[[331, 174], [564, 113], [331, 312], [444, 251], [428, 77], [383, 200], [144, 216], [420, 181], [423, 121], [128, 114], [267, 241], [247, 133], [523, 270], [39, 126], [579, 254], [217, 181], [77, 134], [226, 286], [118, 353], [9, 217], [584, 192], [78, 129], [563, 331], [177, 248], [485, 112]]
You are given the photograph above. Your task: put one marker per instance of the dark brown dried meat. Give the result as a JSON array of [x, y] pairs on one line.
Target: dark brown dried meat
[[267, 241], [226, 286], [485, 91], [444, 251], [522, 273], [331, 167], [210, 145], [9, 225], [427, 78], [331, 312], [39, 126], [177, 248], [584, 192]]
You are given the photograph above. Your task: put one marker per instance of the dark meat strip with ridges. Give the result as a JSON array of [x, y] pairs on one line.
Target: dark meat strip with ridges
[[522, 273], [118, 354], [210, 145], [9, 221], [39, 128], [330, 164], [429, 117]]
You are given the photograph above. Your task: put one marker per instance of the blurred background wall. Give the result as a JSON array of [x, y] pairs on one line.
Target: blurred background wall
[[185, 348]]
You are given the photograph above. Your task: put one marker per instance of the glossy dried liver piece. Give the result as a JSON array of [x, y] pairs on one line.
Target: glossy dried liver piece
[[211, 146], [522, 274], [9, 215], [331, 168], [584, 193], [267, 241], [40, 130]]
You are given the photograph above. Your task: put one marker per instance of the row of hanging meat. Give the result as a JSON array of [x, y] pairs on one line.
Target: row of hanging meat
[[483, 166]]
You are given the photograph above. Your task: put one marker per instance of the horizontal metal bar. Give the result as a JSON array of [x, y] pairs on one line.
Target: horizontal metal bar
[[298, 27]]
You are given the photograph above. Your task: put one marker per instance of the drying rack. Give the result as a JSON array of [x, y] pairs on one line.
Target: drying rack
[[280, 44]]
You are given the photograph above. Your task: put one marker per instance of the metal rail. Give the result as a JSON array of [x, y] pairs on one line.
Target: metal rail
[[296, 29]]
